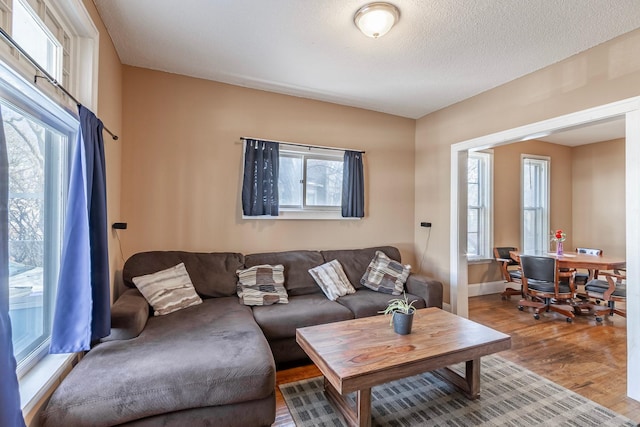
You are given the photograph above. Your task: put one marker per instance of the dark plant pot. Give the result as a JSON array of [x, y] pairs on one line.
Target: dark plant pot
[[402, 323]]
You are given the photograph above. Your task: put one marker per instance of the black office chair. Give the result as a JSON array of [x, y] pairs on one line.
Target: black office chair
[[611, 290], [510, 270], [544, 287]]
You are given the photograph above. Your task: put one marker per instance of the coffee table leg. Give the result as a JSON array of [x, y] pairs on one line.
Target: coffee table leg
[[469, 384], [360, 416]]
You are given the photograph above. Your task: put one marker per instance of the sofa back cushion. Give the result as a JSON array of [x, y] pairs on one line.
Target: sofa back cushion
[[355, 261], [212, 274], [297, 264]]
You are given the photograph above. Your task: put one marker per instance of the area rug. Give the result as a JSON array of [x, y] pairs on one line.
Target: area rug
[[510, 395]]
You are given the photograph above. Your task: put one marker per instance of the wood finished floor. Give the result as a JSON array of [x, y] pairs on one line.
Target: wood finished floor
[[583, 356]]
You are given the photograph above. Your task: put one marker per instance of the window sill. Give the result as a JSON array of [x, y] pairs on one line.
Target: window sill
[[479, 261], [324, 215], [42, 378]]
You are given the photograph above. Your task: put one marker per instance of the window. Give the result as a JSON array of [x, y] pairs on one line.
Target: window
[[39, 135], [535, 203], [34, 37], [479, 199], [310, 180]]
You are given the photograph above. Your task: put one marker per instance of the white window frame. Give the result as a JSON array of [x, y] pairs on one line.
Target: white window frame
[[543, 203], [73, 28], [485, 207]]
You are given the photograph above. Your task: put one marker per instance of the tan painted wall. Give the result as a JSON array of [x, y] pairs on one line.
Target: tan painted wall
[[507, 198], [598, 196], [609, 72], [183, 159]]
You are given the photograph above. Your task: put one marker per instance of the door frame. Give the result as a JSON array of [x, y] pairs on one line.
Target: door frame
[[630, 110]]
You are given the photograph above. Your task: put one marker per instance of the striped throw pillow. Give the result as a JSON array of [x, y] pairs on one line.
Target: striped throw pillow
[[332, 280], [168, 290], [262, 285], [385, 275]]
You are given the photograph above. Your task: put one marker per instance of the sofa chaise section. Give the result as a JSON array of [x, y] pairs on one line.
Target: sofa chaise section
[[173, 365]]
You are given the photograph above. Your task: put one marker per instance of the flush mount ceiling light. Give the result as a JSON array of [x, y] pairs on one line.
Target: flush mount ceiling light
[[376, 19]]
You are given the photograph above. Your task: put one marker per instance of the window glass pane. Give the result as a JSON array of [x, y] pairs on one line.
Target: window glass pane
[[472, 244], [472, 171], [36, 177], [324, 182], [31, 36], [473, 195], [289, 181], [473, 219]]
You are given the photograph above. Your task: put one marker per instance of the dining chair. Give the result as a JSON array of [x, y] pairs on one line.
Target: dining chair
[[544, 287], [510, 269], [611, 290], [582, 278]]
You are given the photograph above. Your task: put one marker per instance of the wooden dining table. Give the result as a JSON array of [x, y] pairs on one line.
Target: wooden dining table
[[578, 260]]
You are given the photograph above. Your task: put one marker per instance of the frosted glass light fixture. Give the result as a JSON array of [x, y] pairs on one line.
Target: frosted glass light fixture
[[376, 19]]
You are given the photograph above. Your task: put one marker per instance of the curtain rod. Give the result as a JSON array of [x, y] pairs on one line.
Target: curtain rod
[[46, 75], [300, 145]]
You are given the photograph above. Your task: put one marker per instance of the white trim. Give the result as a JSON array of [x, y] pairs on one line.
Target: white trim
[[632, 201], [42, 378], [488, 288], [458, 265]]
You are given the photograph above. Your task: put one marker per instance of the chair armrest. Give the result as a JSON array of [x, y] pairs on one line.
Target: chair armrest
[[613, 279], [425, 287], [129, 316]]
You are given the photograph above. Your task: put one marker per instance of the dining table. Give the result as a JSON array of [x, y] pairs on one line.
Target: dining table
[[575, 260], [578, 260]]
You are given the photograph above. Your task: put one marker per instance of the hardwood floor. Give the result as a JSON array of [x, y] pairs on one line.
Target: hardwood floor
[[583, 356]]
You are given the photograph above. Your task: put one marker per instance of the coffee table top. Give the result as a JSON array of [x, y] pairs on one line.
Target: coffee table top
[[365, 352]]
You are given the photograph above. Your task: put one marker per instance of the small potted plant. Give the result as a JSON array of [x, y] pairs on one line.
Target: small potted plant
[[401, 312]]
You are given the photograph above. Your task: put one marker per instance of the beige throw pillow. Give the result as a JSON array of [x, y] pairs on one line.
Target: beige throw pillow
[[262, 285], [168, 290], [332, 280], [385, 275]]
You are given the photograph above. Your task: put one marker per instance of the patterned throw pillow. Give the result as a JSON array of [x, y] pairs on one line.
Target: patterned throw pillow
[[262, 285], [168, 290], [385, 275], [332, 280]]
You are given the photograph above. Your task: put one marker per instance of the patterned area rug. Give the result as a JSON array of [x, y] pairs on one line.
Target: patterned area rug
[[510, 395]]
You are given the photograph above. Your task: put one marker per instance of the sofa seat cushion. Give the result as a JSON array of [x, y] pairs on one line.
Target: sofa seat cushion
[[366, 302], [206, 355], [355, 261], [281, 320]]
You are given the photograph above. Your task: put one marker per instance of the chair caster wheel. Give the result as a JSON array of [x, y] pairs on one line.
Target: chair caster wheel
[[569, 320], [536, 316], [599, 319], [521, 308], [503, 298]]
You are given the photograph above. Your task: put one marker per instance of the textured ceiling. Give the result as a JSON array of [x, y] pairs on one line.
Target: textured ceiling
[[441, 52]]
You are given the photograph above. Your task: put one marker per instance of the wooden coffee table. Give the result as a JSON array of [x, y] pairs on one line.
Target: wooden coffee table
[[356, 355]]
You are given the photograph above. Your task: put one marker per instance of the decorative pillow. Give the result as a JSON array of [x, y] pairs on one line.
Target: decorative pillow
[[168, 290], [332, 280], [385, 275], [262, 285]]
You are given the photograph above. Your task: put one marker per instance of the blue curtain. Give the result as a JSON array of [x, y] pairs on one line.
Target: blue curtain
[[82, 312], [353, 185], [10, 413], [260, 182]]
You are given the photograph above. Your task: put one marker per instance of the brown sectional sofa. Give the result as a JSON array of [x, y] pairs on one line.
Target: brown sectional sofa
[[214, 363]]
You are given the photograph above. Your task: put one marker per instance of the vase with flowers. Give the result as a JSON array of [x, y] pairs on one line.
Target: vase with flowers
[[559, 236]]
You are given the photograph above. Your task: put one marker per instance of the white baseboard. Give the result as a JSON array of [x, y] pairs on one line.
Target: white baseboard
[[477, 289]]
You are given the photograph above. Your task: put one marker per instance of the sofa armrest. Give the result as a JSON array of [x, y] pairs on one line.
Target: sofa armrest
[[425, 287], [129, 316]]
